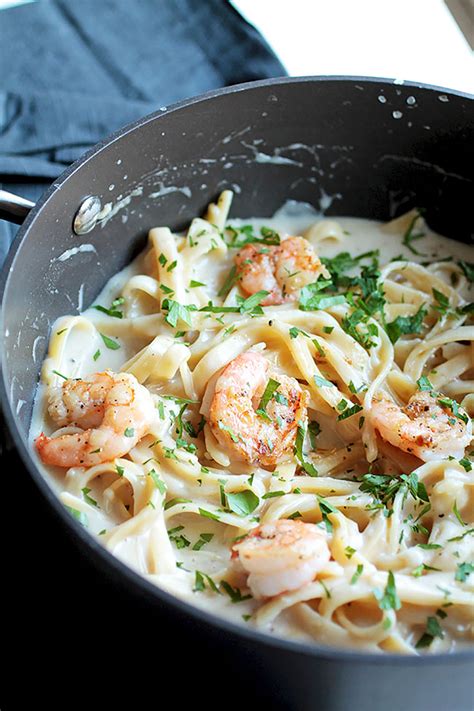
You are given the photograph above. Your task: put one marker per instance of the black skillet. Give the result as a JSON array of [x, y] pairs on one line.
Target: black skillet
[[353, 146]]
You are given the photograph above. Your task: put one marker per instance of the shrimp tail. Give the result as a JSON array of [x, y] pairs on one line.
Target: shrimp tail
[[40, 443]]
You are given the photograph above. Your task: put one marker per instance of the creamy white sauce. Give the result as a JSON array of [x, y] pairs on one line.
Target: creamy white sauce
[[360, 235]]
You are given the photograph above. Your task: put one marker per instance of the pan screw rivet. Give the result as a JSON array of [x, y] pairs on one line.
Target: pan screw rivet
[[87, 215]]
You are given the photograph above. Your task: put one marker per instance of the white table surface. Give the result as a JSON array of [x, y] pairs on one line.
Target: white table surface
[[401, 39]]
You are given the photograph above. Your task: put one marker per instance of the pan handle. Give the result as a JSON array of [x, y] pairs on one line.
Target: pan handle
[[13, 207]]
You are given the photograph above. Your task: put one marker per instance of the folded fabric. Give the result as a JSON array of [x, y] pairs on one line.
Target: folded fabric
[[73, 71]]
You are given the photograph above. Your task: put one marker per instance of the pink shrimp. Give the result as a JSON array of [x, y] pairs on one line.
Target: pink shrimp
[[282, 556], [281, 270], [116, 410], [233, 419], [425, 427]]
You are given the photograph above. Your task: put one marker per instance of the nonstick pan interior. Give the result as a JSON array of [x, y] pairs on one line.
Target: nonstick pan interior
[[368, 148]]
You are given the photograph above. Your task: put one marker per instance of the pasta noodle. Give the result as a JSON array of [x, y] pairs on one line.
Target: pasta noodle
[[362, 426]]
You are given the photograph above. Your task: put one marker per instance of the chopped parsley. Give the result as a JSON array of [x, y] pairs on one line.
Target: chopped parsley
[[454, 407], [458, 515], [384, 487], [468, 270], [234, 593], [349, 411], [96, 355], [113, 311], [343, 262], [204, 538], [208, 514], [178, 312], [250, 305], [85, 492], [463, 571], [313, 296], [273, 494], [411, 235], [129, 432], [180, 541], [231, 433], [64, 377], [240, 236], [309, 468], [243, 503], [158, 482], [422, 568], [429, 546], [326, 508], [231, 279], [176, 500], [110, 343], [388, 600], [406, 325], [442, 304], [268, 393], [469, 532], [357, 574], [79, 516], [433, 629], [424, 384]]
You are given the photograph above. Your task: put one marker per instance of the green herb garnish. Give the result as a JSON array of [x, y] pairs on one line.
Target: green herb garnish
[[243, 503], [388, 600], [178, 312], [309, 468], [463, 571], [406, 325], [79, 516], [433, 629], [234, 593], [85, 492], [411, 236], [204, 538], [357, 574], [110, 343], [326, 508]]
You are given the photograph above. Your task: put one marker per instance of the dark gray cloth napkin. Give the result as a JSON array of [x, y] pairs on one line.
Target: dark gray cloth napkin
[[73, 71]]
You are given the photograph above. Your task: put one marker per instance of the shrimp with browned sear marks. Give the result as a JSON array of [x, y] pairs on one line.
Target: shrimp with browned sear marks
[[281, 270], [426, 427], [114, 411], [282, 556], [233, 418]]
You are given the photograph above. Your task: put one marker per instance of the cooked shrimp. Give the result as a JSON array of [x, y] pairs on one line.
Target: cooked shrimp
[[234, 421], [282, 270], [424, 427], [282, 556], [116, 410]]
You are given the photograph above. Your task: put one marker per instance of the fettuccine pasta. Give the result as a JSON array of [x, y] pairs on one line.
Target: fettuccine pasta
[[272, 420]]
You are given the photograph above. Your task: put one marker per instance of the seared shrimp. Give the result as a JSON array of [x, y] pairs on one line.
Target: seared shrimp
[[282, 556], [237, 426], [282, 270], [116, 410], [424, 427]]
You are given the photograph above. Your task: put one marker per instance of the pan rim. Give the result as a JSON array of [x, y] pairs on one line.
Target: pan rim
[[121, 572]]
